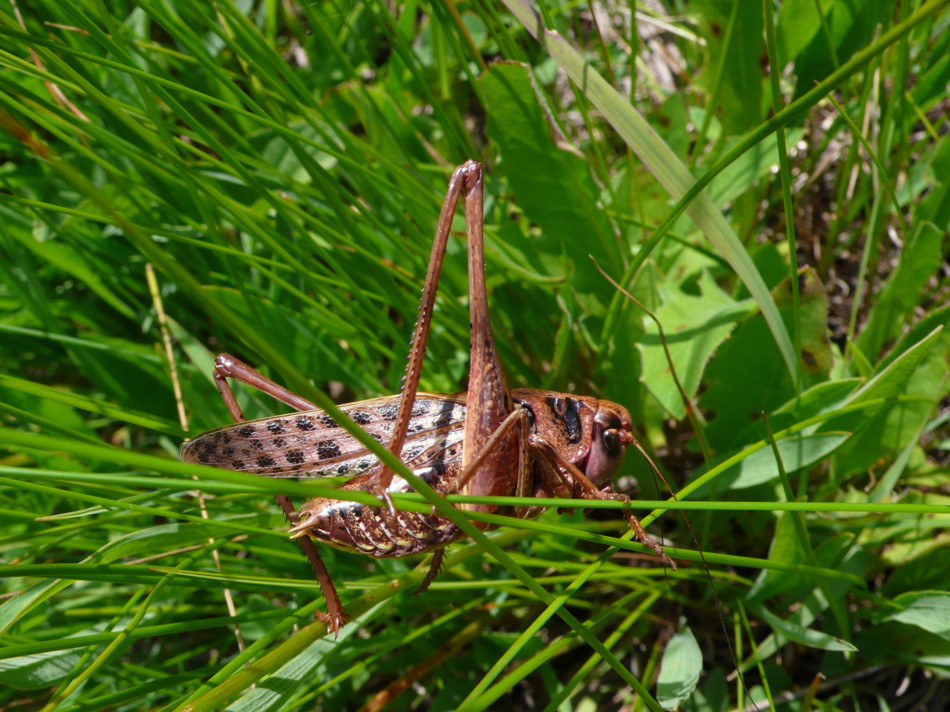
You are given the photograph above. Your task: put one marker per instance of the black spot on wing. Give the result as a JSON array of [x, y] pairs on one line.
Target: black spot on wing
[[421, 407], [411, 453], [388, 411], [447, 416], [328, 449], [305, 424]]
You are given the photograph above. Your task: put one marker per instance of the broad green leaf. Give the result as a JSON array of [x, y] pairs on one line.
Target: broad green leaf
[[802, 634], [27, 601], [797, 452], [887, 428], [733, 33], [929, 610], [923, 572], [35, 672], [798, 21], [747, 375], [937, 319], [821, 398], [680, 670], [694, 326], [799, 593], [889, 383], [816, 358]]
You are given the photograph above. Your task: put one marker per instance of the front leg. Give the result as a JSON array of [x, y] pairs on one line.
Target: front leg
[[555, 464], [638, 531]]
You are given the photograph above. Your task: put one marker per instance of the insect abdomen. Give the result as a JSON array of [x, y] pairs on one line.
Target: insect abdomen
[[374, 531]]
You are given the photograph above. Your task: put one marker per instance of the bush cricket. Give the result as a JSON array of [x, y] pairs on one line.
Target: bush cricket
[[488, 441]]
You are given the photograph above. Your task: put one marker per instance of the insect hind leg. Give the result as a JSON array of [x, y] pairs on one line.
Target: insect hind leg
[[435, 567], [227, 366]]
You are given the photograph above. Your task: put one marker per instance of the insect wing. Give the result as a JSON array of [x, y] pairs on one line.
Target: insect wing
[[312, 444], [435, 457]]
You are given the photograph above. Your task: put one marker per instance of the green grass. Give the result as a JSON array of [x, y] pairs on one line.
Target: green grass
[[281, 166]]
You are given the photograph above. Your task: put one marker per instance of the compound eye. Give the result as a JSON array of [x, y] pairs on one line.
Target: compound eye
[[612, 441]]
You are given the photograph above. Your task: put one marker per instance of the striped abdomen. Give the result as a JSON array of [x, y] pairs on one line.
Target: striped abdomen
[[374, 531]]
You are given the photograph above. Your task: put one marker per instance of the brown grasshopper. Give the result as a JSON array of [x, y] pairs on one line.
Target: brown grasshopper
[[488, 441]]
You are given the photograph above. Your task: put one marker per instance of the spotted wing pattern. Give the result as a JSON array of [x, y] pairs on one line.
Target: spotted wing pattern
[[312, 444]]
